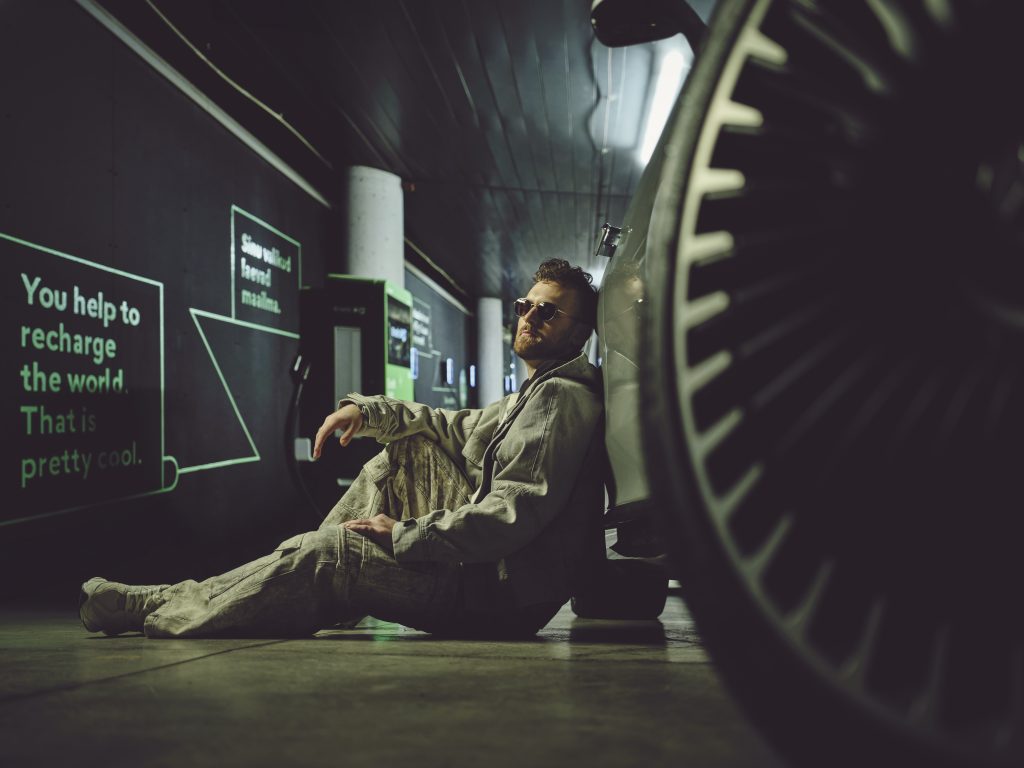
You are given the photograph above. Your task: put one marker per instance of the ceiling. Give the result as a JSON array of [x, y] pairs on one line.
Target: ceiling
[[515, 132]]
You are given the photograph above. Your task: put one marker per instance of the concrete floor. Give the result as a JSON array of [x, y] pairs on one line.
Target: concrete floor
[[583, 693]]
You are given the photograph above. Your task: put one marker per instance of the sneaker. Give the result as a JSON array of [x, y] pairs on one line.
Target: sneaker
[[113, 608]]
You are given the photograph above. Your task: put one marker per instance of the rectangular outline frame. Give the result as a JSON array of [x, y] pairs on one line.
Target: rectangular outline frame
[[276, 231], [163, 385]]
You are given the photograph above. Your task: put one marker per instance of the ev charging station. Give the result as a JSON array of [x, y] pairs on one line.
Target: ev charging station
[[355, 336]]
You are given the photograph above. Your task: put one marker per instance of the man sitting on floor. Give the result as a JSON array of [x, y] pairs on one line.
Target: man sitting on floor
[[468, 522]]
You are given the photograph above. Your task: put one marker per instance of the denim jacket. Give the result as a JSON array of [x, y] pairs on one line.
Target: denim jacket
[[536, 461]]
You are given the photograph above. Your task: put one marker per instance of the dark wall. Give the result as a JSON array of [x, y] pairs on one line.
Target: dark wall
[[441, 331], [115, 183]]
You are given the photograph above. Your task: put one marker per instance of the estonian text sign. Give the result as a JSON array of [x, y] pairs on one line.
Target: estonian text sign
[[265, 273]]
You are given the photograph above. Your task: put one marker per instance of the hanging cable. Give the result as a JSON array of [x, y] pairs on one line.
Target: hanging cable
[[276, 115]]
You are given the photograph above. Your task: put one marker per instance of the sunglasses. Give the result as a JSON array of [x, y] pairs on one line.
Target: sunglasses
[[545, 311]]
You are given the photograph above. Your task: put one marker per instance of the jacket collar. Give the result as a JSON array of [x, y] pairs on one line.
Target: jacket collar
[[578, 367]]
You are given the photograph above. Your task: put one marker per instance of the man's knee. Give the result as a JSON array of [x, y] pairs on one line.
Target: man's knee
[[405, 446], [415, 454], [397, 454]]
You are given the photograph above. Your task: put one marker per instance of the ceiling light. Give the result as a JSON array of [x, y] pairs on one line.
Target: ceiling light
[[670, 78]]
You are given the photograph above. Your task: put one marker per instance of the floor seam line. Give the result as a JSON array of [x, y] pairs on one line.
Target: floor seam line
[[122, 676], [595, 657]]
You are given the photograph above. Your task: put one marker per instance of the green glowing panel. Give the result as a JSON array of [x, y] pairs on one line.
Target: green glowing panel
[[398, 339], [266, 272], [86, 343]]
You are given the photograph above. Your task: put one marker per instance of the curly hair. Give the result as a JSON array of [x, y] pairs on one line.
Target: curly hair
[[561, 272]]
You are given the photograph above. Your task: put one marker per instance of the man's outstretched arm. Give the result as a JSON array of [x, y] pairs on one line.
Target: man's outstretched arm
[[388, 419]]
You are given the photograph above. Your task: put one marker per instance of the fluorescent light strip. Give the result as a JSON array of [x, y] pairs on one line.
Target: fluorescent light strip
[[670, 79]]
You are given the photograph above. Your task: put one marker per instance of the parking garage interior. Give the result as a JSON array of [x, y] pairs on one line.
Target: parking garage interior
[[804, 219]]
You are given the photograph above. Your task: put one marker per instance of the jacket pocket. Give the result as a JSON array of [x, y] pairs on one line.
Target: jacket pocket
[[253, 569], [294, 542]]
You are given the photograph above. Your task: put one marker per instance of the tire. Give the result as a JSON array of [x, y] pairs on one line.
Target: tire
[[834, 354], [624, 589]]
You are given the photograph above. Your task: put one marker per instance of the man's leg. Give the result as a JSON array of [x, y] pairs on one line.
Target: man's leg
[[409, 478], [330, 575], [310, 581]]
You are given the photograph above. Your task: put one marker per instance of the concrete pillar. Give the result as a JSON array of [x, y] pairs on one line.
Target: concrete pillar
[[490, 376], [521, 372], [374, 231]]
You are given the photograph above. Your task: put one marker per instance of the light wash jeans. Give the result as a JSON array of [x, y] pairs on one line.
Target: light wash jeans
[[321, 578]]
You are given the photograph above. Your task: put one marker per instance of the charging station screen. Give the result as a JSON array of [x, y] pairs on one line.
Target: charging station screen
[[399, 332]]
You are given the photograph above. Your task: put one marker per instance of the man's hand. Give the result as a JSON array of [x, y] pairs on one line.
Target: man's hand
[[348, 419], [377, 529]]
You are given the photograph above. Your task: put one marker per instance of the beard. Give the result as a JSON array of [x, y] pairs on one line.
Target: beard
[[530, 347]]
